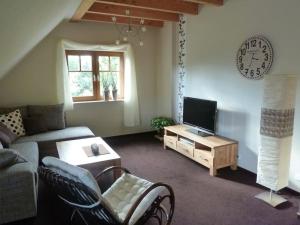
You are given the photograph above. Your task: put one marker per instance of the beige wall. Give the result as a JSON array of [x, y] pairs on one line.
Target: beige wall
[[213, 38], [23, 24], [33, 81]]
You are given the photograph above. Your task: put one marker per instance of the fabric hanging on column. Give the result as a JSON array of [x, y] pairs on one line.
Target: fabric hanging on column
[[181, 72], [276, 131]]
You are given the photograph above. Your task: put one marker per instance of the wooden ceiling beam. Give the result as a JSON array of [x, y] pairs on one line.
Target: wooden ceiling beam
[[175, 6], [118, 10], [208, 2], [120, 20], [82, 9]]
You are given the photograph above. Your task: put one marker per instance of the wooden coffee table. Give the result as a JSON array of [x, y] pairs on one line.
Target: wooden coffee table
[[73, 153]]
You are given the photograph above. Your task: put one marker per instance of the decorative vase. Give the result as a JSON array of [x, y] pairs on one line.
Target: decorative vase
[[115, 94], [106, 95]]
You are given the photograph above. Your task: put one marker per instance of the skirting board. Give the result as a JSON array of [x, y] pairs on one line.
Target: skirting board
[[271, 199]]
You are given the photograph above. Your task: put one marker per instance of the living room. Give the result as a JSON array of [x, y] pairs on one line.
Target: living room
[[32, 29]]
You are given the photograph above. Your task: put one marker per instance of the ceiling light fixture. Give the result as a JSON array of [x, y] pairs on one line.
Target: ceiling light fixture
[[129, 31]]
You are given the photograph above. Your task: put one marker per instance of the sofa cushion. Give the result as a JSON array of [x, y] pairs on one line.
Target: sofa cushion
[[29, 151], [53, 114], [72, 172], [9, 157], [14, 122], [35, 124], [23, 110], [6, 136], [67, 133]]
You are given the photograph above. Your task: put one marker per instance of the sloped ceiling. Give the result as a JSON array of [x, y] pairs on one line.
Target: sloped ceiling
[[24, 23]]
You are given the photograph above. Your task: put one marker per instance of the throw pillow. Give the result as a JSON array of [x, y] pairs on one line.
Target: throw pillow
[[9, 157], [35, 124], [53, 115], [72, 172], [14, 122], [6, 136]]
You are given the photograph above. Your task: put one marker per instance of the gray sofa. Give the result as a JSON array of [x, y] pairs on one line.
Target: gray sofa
[[19, 182]]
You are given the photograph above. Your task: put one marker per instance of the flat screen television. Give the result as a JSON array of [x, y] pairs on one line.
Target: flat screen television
[[200, 114]]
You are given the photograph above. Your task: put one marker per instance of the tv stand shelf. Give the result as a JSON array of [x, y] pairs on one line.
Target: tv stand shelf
[[213, 152]]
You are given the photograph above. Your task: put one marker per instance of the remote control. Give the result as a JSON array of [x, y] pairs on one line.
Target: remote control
[[95, 149]]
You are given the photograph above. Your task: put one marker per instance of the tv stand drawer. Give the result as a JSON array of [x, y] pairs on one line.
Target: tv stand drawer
[[203, 157], [185, 149], [170, 141]]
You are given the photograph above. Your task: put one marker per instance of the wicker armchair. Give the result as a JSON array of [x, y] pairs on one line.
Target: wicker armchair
[[130, 200]]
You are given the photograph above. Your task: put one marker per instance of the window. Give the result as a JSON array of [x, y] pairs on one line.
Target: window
[[91, 71]]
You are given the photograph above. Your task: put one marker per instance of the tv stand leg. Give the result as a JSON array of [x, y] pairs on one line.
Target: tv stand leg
[[233, 167], [212, 171]]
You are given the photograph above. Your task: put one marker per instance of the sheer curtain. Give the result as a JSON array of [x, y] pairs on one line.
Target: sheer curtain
[[131, 104]]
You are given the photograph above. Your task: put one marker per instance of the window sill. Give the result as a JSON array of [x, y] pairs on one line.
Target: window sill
[[99, 101]]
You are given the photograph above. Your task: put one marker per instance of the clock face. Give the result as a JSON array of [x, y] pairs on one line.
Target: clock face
[[255, 57]]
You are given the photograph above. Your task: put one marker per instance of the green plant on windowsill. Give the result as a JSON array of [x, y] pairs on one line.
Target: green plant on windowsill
[[113, 83], [158, 123], [105, 85]]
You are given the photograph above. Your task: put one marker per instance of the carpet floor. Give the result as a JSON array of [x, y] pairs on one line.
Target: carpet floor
[[227, 199]]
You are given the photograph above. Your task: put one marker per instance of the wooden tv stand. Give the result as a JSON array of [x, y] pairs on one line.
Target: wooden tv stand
[[214, 152]]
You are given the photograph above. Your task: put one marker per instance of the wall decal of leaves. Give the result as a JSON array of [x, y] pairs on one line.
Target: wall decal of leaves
[[181, 74]]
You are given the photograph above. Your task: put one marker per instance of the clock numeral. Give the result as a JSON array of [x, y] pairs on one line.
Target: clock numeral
[[253, 43], [252, 73], [259, 43], [243, 51], [240, 59], [266, 57], [246, 71], [247, 45], [242, 66], [263, 65], [264, 49], [258, 71]]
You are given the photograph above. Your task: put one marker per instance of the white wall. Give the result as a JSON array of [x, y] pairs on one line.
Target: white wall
[[213, 38], [25, 23], [33, 81]]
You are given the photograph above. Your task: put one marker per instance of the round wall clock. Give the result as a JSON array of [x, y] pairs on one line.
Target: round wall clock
[[255, 57]]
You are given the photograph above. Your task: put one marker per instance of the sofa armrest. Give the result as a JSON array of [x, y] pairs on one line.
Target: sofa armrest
[[18, 192]]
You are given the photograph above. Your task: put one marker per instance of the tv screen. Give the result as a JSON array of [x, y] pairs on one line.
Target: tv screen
[[200, 113]]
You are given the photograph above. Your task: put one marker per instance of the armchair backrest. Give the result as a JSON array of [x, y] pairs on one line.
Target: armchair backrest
[[76, 194]]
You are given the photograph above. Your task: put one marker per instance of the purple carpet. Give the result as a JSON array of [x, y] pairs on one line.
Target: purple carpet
[[200, 199]]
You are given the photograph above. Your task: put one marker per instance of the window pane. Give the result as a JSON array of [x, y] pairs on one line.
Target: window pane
[[73, 62], [104, 81], [81, 84], [86, 62], [103, 63], [114, 63], [115, 80]]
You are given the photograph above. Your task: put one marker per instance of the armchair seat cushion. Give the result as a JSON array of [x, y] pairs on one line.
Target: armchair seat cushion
[[125, 191]]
